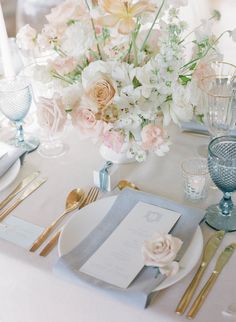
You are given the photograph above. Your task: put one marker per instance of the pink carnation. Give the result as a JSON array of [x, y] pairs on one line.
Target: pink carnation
[[113, 140], [152, 136]]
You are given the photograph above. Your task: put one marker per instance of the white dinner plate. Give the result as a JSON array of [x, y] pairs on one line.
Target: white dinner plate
[[86, 219], [13, 171]]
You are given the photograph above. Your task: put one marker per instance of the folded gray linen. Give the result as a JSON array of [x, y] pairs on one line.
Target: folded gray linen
[[141, 289], [199, 127], [8, 159]]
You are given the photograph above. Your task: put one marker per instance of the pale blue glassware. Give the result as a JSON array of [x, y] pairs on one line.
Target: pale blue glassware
[[15, 102], [222, 169]]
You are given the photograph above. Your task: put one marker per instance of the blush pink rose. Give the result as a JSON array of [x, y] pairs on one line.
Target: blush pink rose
[[113, 140], [66, 11], [160, 251], [63, 65], [203, 69], [85, 120], [51, 114], [152, 136]]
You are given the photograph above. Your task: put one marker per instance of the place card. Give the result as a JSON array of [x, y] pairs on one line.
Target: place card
[[19, 231], [119, 259]]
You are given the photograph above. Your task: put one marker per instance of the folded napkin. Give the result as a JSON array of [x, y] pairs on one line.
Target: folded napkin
[[199, 127], [9, 158], [141, 289]]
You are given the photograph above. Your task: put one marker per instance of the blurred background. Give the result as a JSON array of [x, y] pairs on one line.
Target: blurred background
[[18, 13]]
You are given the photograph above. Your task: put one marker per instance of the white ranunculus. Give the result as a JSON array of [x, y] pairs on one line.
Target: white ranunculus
[[77, 39], [160, 251]]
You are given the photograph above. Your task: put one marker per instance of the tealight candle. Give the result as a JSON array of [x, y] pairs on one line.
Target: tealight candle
[[195, 175], [5, 49]]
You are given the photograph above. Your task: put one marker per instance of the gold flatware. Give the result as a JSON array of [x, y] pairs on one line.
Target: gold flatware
[[19, 188], [208, 253], [124, 184], [73, 201], [91, 197], [221, 262], [34, 186]]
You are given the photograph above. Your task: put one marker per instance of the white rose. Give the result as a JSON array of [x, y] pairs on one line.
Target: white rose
[[160, 251]]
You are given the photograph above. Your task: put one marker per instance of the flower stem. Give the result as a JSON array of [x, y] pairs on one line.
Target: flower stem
[[94, 30], [191, 32], [150, 30], [206, 52]]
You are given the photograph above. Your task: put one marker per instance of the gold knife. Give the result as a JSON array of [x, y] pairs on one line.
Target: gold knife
[[221, 262], [35, 185], [208, 253], [19, 188]]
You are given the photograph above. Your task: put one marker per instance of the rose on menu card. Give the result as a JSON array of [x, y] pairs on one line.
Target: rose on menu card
[[5, 49]]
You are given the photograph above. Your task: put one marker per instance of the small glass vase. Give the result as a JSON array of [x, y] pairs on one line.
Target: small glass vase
[[52, 145]]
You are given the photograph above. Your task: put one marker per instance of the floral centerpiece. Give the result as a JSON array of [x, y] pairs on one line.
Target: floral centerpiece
[[122, 70]]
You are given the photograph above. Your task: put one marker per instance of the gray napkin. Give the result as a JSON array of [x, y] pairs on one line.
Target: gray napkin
[[141, 289], [8, 159], [199, 128]]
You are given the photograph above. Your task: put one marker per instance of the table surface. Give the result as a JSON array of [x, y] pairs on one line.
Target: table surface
[[30, 292]]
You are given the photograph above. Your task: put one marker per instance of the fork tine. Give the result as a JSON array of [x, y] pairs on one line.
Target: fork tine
[[91, 196]]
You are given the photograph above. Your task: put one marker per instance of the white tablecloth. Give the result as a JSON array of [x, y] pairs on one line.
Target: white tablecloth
[[29, 291]]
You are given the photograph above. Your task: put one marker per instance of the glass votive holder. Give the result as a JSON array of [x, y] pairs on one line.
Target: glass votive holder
[[195, 175]]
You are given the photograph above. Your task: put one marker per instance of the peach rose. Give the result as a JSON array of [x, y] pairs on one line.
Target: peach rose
[[152, 136], [160, 251], [85, 120], [51, 114], [101, 92]]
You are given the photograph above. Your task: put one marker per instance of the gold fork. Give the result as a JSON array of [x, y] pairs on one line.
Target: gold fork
[[91, 197]]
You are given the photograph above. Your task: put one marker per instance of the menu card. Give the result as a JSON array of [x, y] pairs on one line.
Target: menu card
[[119, 259]]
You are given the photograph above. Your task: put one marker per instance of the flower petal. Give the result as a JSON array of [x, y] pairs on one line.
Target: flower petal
[[113, 7], [126, 25], [108, 21]]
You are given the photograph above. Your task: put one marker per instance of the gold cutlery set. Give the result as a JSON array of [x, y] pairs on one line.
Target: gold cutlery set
[[76, 199], [209, 251]]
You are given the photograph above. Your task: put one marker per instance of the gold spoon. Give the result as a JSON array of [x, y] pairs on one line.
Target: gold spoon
[[124, 184], [73, 200]]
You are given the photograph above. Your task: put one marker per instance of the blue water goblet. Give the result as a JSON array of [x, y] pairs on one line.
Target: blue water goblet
[[15, 101], [222, 169]]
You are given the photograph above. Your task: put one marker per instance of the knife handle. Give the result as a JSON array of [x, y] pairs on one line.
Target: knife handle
[[186, 298], [202, 296], [7, 211], [8, 199], [51, 244]]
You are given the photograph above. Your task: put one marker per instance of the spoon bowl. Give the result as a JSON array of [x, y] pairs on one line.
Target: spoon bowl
[[122, 184]]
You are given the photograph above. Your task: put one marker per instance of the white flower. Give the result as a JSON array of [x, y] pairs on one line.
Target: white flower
[[26, 38], [181, 108], [160, 251], [77, 39]]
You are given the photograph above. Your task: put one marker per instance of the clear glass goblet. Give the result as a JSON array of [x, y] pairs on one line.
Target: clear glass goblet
[[15, 101], [218, 100], [222, 169], [51, 127]]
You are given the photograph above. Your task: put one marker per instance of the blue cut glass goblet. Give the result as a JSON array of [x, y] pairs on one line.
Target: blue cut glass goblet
[[222, 168], [15, 101]]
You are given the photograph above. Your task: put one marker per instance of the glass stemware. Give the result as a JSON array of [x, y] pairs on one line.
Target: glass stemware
[[217, 100], [48, 115], [15, 101], [222, 169]]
